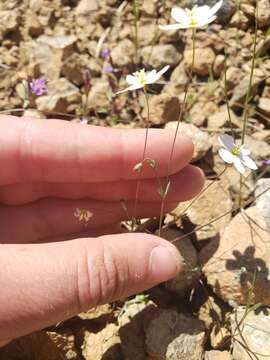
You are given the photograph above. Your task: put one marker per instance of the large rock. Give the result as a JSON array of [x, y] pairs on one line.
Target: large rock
[[220, 119], [135, 313], [263, 13], [148, 8], [123, 53], [204, 210], [44, 60], [240, 91], [200, 111], [219, 63], [251, 337], [263, 201], [62, 97], [162, 109], [101, 314], [203, 62], [85, 7], [98, 97], [190, 272], [240, 20], [200, 139], [146, 33], [37, 345], [233, 76], [179, 75], [174, 336], [74, 67], [160, 55], [260, 150], [33, 24], [264, 105], [236, 264], [103, 345], [9, 21], [217, 355], [47, 54], [61, 42]]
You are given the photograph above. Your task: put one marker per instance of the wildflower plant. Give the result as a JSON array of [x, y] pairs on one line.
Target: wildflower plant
[[140, 80], [238, 155], [197, 17], [233, 150]]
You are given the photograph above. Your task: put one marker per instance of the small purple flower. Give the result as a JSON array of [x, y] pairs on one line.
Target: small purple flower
[[38, 86], [267, 162], [87, 78], [108, 69], [105, 54]]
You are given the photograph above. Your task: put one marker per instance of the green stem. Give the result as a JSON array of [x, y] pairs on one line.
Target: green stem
[[245, 116], [136, 19], [193, 50], [143, 156], [246, 107], [183, 107], [226, 97]]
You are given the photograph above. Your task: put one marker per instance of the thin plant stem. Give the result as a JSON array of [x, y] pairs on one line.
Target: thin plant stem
[[247, 99], [143, 156], [245, 116], [136, 19], [183, 107], [193, 52], [226, 97]]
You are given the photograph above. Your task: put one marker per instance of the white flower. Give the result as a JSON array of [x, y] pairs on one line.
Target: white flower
[[141, 78], [236, 155], [198, 16], [83, 215]]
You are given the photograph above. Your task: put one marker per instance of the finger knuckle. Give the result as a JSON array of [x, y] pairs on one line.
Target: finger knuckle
[[101, 277]]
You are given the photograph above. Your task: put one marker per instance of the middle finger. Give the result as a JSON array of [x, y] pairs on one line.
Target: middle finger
[[183, 186]]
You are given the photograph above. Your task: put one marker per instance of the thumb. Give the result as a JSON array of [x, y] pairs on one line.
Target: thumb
[[43, 284]]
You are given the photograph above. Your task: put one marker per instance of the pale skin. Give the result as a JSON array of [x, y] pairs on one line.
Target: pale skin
[[52, 265]]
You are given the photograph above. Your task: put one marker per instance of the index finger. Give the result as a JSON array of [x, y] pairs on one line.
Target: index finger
[[34, 150]]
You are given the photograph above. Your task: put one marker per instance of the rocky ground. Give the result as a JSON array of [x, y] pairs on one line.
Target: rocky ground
[[218, 309]]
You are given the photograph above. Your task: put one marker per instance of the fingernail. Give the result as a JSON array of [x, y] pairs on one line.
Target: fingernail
[[165, 262]]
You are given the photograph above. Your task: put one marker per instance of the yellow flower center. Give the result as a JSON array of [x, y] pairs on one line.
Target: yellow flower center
[[236, 150], [141, 76], [190, 13]]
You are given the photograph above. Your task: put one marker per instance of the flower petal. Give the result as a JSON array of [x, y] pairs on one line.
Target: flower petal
[[206, 21], [170, 27], [201, 12], [154, 76], [238, 164], [245, 151], [179, 15], [162, 71], [130, 88], [131, 80], [226, 141], [151, 77], [248, 162], [215, 8], [226, 156]]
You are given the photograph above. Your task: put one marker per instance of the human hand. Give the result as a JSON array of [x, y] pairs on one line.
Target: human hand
[[52, 265]]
